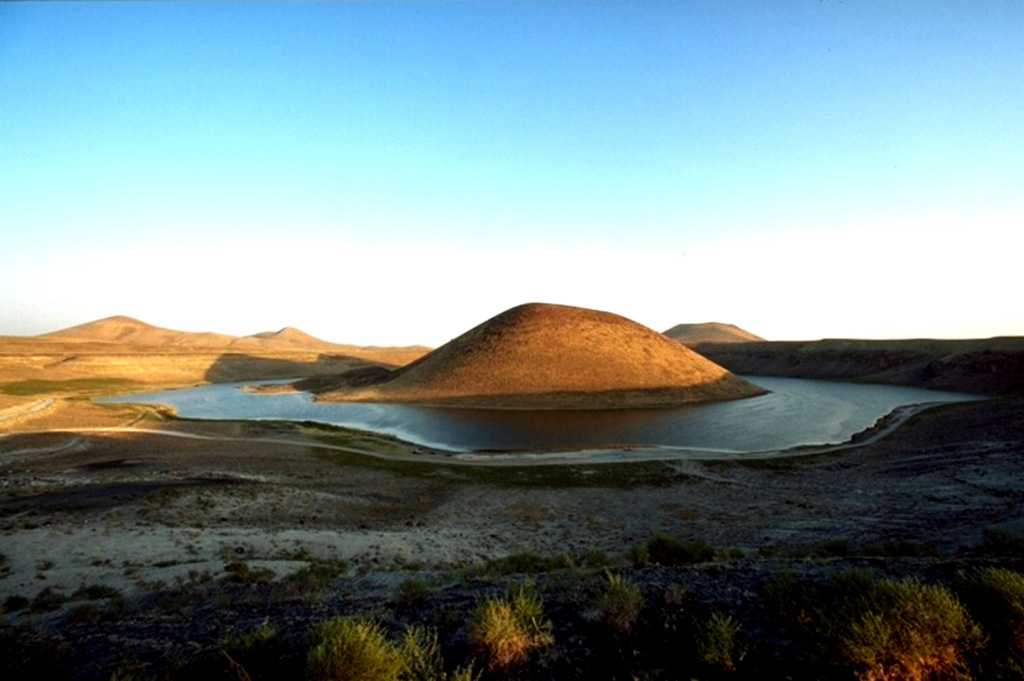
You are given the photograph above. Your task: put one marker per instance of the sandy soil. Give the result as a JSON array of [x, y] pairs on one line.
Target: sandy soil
[[135, 509]]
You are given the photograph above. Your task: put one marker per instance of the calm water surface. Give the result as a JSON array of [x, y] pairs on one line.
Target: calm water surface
[[795, 412]]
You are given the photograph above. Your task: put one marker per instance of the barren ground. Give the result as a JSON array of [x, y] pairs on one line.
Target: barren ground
[[130, 508]]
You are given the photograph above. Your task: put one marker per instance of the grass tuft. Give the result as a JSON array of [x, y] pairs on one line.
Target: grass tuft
[[353, 650], [507, 629], [619, 603], [719, 645]]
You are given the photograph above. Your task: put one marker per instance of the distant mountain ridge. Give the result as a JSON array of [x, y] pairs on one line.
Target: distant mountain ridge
[[122, 329], [542, 356], [710, 332]]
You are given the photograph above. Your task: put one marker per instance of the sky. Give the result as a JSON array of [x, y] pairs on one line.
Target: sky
[[396, 173]]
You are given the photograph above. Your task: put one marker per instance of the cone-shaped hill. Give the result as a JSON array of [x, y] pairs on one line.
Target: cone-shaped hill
[[710, 332], [539, 356]]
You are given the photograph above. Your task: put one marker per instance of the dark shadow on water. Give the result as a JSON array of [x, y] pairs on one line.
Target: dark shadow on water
[[515, 429]]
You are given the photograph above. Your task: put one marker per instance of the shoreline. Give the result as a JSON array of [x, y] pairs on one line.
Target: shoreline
[[133, 506], [884, 426]]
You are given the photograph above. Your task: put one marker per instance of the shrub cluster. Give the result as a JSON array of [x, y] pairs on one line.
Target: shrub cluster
[[355, 649]]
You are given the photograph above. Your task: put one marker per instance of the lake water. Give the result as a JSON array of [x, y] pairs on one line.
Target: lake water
[[795, 412]]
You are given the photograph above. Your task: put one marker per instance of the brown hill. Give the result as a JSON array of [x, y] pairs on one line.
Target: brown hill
[[289, 335], [710, 332], [131, 331], [547, 357]]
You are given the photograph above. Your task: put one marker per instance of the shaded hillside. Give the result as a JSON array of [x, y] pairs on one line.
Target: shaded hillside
[[710, 332], [548, 356], [993, 366]]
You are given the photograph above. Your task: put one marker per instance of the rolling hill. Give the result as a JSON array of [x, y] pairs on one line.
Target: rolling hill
[[691, 335]]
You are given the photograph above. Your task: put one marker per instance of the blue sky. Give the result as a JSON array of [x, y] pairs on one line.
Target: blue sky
[[394, 173]]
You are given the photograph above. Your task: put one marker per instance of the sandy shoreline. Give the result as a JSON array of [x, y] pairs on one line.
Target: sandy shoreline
[[136, 507]]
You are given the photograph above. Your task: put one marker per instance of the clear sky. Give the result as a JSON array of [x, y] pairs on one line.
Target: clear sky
[[394, 173]]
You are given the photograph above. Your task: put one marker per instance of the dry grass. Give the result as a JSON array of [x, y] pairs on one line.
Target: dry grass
[[508, 629]]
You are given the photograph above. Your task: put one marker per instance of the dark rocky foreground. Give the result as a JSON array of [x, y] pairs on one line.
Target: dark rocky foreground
[[204, 628]]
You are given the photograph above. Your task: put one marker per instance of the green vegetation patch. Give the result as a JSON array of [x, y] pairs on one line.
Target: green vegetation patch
[[719, 643], [619, 602], [995, 598], [352, 650], [77, 386], [883, 628], [358, 649], [671, 552]]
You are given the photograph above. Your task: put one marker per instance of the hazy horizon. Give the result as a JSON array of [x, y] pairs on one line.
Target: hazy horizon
[[396, 173]]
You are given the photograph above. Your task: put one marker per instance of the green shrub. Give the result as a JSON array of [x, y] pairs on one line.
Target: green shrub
[[995, 598], [95, 592], [526, 563], [638, 555], [594, 559], [669, 552], [507, 629], [255, 653], [901, 548], [787, 597], [313, 578], [134, 671], [893, 629], [836, 548], [15, 603], [619, 603], [719, 645], [352, 650], [412, 590], [47, 600], [240, 572], [1000, 543], [423, 661], [675, 593]]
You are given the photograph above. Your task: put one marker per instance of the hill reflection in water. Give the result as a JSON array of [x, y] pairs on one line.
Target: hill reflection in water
[[795, 412]]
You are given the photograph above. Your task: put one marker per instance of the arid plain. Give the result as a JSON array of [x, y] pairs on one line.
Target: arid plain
[[135, 501]]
